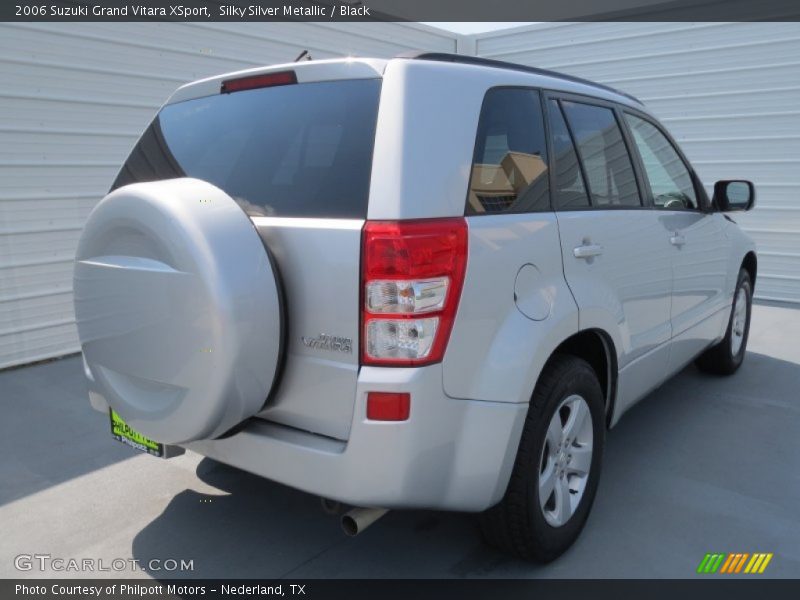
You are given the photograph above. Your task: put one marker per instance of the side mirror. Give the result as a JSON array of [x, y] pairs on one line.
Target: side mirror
[[734, 195]]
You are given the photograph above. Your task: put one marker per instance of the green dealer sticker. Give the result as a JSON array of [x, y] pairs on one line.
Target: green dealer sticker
[[122, 432]]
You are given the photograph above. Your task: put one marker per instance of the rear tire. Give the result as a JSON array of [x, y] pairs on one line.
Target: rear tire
[[726, 357], [558, 460]]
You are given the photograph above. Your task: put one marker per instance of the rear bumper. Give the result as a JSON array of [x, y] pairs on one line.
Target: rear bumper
[[451, 454]]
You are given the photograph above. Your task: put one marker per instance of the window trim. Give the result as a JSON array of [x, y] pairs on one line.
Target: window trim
[[539, 92], [560, 96], [704, 203]]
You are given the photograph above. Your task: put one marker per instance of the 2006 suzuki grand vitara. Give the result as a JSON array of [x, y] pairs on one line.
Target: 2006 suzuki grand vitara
[[432, 281]]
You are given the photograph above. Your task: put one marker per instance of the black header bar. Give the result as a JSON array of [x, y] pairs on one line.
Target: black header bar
[[400, 10]]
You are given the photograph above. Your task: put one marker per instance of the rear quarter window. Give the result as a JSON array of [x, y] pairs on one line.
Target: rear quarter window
[[509, 166], [302, 150]]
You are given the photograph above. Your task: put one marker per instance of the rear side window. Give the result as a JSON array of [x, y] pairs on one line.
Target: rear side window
[[570, 192], [509, 167], [302, 150], [606, 162]]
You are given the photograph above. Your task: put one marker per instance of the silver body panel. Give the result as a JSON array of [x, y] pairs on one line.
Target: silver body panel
[[496, 352], [320, 278], [525, 292]]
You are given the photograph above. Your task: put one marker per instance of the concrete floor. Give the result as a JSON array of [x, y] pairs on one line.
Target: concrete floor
[[704, 464]]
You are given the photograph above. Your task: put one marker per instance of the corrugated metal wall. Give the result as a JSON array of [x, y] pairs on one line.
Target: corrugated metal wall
[[74, 99], [729, 93]]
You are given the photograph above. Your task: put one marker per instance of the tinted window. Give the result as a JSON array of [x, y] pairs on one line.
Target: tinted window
[[509, 170], [669, 178], [606, 162], [570, 189], [291, 151]]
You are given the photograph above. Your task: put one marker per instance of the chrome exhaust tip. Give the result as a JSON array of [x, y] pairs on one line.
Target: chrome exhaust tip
[[358, 519]]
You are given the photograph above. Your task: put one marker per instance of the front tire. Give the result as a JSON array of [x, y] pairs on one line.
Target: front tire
[[726, 357], [557, 469]]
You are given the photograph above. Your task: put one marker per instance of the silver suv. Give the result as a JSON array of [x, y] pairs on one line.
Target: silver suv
[[427, 282]]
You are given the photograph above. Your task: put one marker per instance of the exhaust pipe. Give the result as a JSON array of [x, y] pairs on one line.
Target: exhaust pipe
[[358, 519], [331, 507]]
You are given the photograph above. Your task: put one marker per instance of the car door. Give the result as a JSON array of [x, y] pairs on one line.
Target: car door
[[698, 243], [615, 248]]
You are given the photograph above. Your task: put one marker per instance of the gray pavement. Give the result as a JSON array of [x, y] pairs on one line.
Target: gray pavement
[[704, 464]]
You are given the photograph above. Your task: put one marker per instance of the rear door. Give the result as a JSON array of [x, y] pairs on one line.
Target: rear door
[[615, 248], [297, 158], [699, 247]]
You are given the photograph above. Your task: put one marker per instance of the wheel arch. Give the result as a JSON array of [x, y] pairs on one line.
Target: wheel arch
[[750, 264], [596, 347]]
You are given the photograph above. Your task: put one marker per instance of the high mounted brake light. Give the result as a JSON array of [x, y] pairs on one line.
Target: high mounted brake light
[[252, 82], [412, 275]]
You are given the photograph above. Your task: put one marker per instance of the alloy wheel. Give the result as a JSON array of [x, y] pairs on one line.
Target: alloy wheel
[[739, 321], [566, 460]]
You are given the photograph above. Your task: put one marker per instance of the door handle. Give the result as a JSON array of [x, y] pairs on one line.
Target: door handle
[[587, 251], [677, 239]]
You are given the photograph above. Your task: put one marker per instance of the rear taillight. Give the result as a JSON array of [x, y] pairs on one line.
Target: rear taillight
[[252, 82], [412, 274]]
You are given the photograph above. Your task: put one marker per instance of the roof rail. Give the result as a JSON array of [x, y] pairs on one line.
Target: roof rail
[[499, 64]]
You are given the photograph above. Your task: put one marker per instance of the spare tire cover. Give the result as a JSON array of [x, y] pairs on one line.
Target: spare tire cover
[[178, 309]]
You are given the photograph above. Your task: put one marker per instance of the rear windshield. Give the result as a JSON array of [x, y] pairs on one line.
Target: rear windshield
[[301, 150]]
